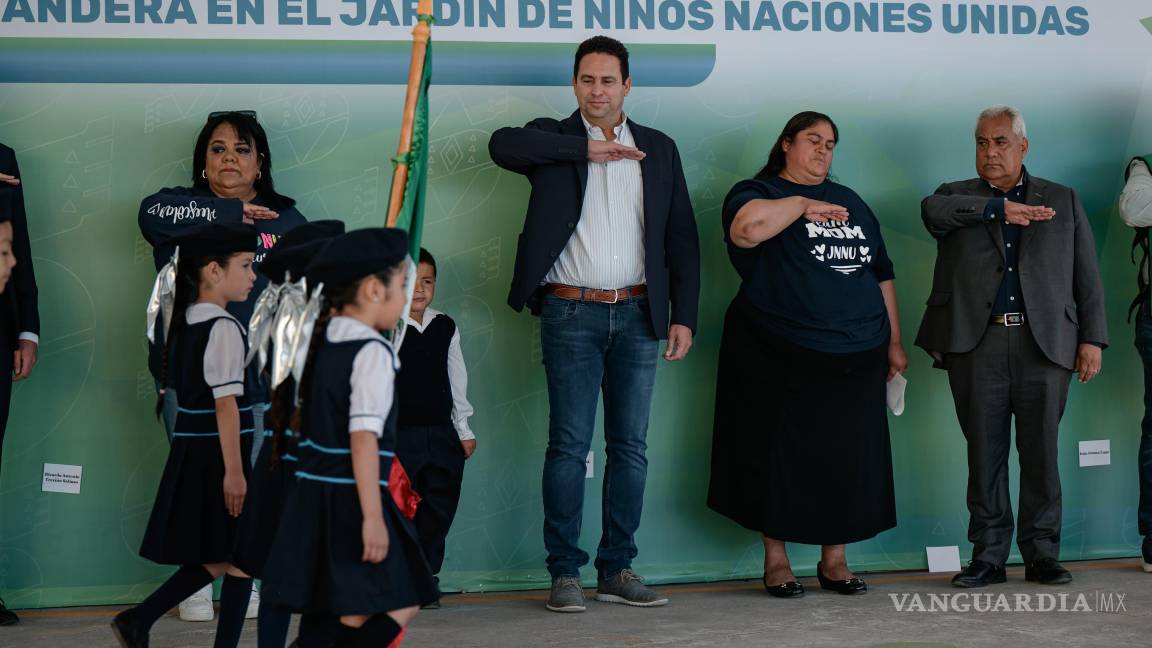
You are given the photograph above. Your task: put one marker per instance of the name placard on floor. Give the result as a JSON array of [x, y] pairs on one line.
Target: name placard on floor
[[1095, 453]]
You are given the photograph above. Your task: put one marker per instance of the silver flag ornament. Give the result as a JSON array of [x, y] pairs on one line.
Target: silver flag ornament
[[292, 330], [261, 323], [163, 299], [304, 333]]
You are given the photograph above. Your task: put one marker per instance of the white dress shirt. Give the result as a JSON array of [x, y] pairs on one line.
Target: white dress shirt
[[457, 376], [224, 355], [373, 376], [607, 249]]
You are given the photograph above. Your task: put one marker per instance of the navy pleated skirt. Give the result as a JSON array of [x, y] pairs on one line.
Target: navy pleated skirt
[[189, 524], [315, 562]]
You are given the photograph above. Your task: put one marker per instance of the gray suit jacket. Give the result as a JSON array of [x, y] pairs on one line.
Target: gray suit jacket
[[1059, 274]]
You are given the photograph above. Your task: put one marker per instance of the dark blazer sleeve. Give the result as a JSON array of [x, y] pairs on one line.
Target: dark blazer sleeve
[[23, 281], [944, 211], [538, 142], [1087, 287], [682, 243]]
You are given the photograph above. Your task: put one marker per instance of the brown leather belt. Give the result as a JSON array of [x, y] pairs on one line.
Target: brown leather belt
[[592, 295], [1008, 319]]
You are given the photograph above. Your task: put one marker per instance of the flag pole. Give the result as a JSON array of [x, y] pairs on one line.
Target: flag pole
[[420, 35]]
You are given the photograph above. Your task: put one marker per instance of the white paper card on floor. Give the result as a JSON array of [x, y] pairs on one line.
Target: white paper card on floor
[[943, 559], [62, 478], [1095, 453]]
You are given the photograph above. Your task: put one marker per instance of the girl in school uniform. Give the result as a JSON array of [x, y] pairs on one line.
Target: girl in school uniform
[[274, 472], [201, 494], [343, 547]]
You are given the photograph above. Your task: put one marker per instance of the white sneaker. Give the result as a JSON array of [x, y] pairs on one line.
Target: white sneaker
[[198, 607], [253, 603]]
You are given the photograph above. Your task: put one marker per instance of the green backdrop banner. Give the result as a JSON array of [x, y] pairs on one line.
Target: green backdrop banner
[[905, 101]]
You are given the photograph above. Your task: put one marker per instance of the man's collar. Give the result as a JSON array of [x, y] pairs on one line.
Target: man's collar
[[1019, 183], [590, 127]]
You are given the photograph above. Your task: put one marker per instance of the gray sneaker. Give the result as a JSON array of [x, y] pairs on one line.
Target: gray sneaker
[[629, 589], [567, 595]]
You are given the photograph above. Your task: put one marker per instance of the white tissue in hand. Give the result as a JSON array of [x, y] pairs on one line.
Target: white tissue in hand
[[896, 393]]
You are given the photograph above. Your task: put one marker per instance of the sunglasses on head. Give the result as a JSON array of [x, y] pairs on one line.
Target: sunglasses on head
[[221, 113]]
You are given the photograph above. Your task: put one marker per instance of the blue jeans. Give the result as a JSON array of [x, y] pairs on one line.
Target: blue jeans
[[1144, 345], [589, 348]]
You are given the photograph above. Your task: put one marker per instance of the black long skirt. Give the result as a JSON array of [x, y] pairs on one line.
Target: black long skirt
[[315, 562], [800, 446], [190, 524]]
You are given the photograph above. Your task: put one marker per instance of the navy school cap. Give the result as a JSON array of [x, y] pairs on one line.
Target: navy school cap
[[216, 239], [7, 203], [350, 257], [296, 248], [311, 231]]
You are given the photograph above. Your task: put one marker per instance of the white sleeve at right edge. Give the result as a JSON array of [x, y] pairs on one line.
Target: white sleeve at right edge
[[1136, 198]]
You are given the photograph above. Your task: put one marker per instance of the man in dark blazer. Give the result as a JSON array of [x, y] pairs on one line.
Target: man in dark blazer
[[1016, 307], [20, 325], [609, 259]]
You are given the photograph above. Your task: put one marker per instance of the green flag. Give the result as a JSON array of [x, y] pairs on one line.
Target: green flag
[[410, 216]]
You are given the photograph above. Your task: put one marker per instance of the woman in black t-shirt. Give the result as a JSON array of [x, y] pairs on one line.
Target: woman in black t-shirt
[[800, 444]]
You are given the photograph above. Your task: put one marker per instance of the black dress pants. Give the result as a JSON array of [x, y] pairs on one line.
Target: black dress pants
[[434, 459], [1007, 376]]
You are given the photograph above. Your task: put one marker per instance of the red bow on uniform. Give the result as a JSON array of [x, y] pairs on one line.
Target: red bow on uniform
[[401, 488]]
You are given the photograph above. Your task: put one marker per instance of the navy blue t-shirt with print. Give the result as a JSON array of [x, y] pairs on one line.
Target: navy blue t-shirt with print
[[166, 214], [816, 285]]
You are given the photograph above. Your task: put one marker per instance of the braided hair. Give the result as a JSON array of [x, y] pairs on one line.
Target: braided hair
[[285, 413], [187, 292]]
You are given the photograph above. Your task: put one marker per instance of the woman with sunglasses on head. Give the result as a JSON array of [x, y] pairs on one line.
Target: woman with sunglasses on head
[[231, 183]]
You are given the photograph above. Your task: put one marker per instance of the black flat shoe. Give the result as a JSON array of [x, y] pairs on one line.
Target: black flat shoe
[[7, 617], [791, 589], [434, 605], [1146, 553], [978, 574], [1047, 571], [851, 586], [124, 627]]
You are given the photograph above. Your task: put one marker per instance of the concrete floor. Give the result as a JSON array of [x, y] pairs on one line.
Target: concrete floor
[[738, 613]]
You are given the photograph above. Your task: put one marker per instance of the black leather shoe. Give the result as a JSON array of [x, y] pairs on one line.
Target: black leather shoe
[[7, 617], [1146, 552], [1047, 571], [851, 586], [124, 627], [978, 574], [790, 589], [434, 605]]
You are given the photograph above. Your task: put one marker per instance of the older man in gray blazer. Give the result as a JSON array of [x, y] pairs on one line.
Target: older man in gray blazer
[[1016, 307]]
